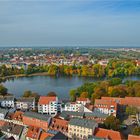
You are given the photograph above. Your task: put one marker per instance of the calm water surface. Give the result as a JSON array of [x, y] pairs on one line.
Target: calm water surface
[[45, 84]]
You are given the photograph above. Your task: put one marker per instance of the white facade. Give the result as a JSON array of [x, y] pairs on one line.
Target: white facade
[[51, 108], [7, 101], [25, 104], [83, 101], [72, 107]]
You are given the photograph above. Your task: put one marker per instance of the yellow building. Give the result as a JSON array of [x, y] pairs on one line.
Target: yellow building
[[81, 128]]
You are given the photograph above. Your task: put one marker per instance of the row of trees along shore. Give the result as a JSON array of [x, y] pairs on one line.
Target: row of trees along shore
[[113, 69], [113, 87]]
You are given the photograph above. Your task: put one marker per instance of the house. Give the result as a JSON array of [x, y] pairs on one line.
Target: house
[[97, 116], [26, 103], [49, 105], [12, 130], [33, 133], [15, 117], [81, 128], [101, 133], [73, 106], [3, 113], [59, 125], [7, 101], [67, 115], [44, 135], [36, 120], [106, 106], [83, 101], [133, 137]]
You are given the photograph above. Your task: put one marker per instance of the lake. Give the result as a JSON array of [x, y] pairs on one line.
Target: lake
[[45, 84]]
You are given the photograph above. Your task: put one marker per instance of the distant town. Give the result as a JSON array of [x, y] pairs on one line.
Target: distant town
[[108, 109]]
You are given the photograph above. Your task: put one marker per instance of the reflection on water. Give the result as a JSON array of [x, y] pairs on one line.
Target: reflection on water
[[45, 84]]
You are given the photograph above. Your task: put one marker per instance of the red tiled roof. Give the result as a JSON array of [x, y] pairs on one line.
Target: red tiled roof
[[46, 99], [59, 124], [33, 132], [133, 137], [17, 116], [2, 122], [110, 134]]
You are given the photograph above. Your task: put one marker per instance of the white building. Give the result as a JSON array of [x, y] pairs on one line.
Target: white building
[[7, 101], [73, 106], [49, 105], [26, 103], [83, 101]]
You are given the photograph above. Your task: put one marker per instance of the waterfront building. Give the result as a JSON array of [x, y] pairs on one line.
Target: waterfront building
[[49, 105]]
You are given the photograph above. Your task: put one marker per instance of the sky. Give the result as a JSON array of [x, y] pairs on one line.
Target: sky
[[69, 23]]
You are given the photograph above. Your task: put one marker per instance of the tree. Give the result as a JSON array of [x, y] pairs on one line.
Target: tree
[[112, 122], [136, 131], [51, 94], [84, 95], [131, 110], [27, 93], [115, 81], [3, 90], [73, 94]]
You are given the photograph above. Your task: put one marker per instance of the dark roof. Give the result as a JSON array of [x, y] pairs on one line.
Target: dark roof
[[3, 111], [96, 114], [6, 98], [12, 128], [37, 116], [66, 114], [82, 122], [59, 136], [26, 99]]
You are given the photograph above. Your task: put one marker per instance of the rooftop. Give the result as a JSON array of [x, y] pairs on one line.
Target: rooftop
[[107, 134], [82, 122], [37, 116], [96, 114], [33, 132], [3, 111], [46, 99], [133, 137], [6, 98], [82, 99], [26, 99], [12, 128]]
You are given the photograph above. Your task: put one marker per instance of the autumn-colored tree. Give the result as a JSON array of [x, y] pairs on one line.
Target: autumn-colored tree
[[84, 95], [136, 131], [51, 94], [3, 90]]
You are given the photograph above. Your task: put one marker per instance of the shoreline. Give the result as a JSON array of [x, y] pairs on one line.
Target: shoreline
[[25, 75]]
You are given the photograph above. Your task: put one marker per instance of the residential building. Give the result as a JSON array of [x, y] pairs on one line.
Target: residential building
[[73, 106], [12, 130], [106, 134], [81, 128], [26, 103], [49, 105], [7, 101], [15, 117], [97, 116], [67, 115], [59, 125], [106, 106], [83, 101], [36, 120], [33, 133], [3, 113]]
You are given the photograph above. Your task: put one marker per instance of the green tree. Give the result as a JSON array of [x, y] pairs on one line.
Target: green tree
[[3, 90], [73, 94], [136, 131], [131, 110], [27, 93], [112, 122]]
